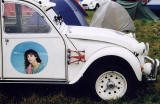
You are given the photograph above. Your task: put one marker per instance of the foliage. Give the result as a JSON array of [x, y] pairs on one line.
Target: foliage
[[89, 17], [149, 31]]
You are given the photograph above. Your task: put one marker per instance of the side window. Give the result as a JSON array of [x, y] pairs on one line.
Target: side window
[[22, 19]]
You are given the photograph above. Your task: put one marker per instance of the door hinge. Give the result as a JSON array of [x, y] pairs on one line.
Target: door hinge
[[6, 40]]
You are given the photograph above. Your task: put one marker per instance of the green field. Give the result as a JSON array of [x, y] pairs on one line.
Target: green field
[[147, 93]]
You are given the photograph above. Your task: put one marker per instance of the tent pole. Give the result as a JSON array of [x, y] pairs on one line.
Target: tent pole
[[116, 19]]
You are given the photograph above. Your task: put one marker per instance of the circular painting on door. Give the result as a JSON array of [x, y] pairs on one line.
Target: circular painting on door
[[29, 57]]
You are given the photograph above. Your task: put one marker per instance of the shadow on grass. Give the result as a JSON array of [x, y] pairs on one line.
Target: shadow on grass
[[15, 93], [58, 94]]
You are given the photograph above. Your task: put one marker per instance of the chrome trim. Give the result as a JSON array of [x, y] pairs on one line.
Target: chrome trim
[[150, 59], [147, 48], [33, 82], [36, 81], [154, 71]]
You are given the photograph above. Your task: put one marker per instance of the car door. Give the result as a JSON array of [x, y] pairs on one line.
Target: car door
[[0, 46], [32, 47]]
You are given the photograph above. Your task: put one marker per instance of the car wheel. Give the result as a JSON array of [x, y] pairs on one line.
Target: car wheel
[[97, 6], [111, 84]]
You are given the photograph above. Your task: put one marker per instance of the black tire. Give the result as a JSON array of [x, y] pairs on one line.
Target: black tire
[[96, 7]]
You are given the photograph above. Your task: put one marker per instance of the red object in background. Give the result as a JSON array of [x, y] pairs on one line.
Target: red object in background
[[11, 10], [144, 1], [77, 0]]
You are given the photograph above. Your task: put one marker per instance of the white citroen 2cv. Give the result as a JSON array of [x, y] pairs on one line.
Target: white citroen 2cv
[[38, 47]]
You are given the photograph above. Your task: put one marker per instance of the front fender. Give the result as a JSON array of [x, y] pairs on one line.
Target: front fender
[[114, 51]]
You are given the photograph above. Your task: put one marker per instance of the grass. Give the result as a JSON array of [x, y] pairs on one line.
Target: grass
[[147, 93], [149, 31], [90, 15]]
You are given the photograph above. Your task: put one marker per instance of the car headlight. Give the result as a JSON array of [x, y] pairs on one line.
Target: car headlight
[[132, 35], [140, 49]]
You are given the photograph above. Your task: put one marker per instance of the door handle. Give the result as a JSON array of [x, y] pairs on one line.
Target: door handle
[[6, 40]]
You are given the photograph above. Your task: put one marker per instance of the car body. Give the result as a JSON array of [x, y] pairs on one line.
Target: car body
[[38, 47]]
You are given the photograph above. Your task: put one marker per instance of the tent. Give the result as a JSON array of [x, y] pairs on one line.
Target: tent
[[143, 1], [154, 2], [154, 5], [138, 10], [113, 16], [79, 7], [71, 15]]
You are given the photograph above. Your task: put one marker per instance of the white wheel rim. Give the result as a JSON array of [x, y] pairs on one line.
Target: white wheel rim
[[111, 85]]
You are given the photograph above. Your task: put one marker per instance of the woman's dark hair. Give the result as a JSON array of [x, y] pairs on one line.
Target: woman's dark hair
[[32, 52]]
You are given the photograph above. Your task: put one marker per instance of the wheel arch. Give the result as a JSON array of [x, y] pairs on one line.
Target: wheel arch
[[114, 54], [97, 6]]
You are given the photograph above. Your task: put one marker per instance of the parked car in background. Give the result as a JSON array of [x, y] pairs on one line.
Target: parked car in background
[[79, 1], [38, 47], [92, 4]]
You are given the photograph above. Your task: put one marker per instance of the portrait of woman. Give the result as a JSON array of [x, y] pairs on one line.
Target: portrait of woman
[[33, 63]]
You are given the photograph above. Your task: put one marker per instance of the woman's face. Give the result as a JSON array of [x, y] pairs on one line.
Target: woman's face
[[31, 58]]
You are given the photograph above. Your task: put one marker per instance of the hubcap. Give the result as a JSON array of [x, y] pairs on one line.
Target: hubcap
[[111, 85]]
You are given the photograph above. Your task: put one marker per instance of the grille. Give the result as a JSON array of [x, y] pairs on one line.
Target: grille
[[85, 5]]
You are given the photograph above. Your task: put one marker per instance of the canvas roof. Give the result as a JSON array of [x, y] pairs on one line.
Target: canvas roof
[[138, 10], [113, 16]]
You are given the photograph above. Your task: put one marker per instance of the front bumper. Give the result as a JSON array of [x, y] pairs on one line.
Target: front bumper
[[153, 69]]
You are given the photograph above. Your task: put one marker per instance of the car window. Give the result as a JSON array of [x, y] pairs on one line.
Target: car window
[[19, 18]]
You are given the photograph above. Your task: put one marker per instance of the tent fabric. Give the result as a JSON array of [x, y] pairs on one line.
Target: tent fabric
[[138, 10], [71, 15], [79, 7], [154, 5], [113, 16], [154, 2], [143, 1]]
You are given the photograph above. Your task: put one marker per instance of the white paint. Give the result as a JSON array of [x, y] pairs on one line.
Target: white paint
[[115, 51]]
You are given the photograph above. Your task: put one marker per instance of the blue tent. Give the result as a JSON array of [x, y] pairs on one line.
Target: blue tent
[[71, 15], [154, 5], [79, 7]]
